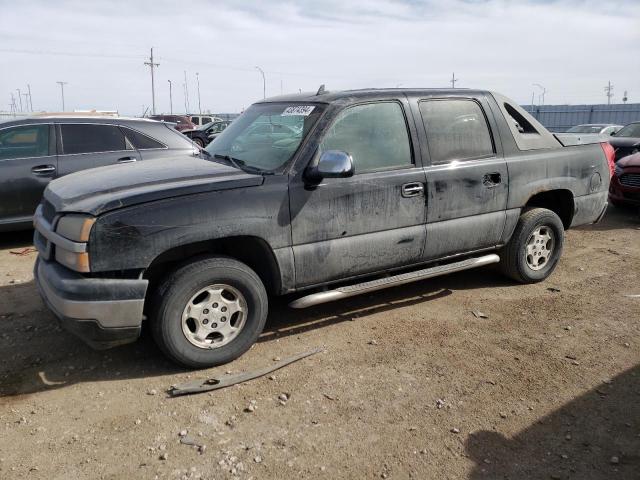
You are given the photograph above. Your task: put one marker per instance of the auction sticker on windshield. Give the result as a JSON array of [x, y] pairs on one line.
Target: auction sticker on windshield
[[299, 110]]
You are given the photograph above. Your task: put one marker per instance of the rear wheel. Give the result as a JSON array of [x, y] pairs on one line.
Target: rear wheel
[[535, 246], [209, 312], [198, 142]]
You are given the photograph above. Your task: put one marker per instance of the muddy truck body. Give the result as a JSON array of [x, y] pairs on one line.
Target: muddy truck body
[[319, 196]]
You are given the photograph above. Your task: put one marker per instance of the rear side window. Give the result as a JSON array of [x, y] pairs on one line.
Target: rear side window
[[456, 130], [24, 142], [81, 138], [141, 141], [375, 135]]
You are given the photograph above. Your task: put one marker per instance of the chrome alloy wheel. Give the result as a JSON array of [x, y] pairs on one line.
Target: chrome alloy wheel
[[540, 247], [214, 316]]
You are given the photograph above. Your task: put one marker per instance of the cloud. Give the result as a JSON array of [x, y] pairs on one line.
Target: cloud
[[571, 47]]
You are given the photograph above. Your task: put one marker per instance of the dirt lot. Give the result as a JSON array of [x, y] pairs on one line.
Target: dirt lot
[[412, 384]]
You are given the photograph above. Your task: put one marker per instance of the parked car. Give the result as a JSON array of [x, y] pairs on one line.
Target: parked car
[[379, 188], [35, 150], [595, 128], [200, 120], [626, 141], [203, 135], [179, 122], [625, 183]]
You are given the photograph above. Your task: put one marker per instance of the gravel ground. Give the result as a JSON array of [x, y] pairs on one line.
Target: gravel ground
[[411, 385]]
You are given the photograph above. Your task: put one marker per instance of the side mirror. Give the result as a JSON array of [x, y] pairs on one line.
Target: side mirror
[[332, 164]]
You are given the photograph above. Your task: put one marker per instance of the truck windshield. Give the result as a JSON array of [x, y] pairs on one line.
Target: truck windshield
[[631, 130], [266, 135]]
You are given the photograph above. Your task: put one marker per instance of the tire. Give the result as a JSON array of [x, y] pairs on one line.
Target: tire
[[199, 142], [179, 297], [526, 265]]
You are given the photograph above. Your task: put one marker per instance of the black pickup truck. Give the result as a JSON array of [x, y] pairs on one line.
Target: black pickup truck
[[344, 193]]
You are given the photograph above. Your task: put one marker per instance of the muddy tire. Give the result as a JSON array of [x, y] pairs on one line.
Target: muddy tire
[[534, 248], [208, 312]]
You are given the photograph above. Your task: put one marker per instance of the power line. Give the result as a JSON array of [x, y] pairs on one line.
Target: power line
[[153, 88]]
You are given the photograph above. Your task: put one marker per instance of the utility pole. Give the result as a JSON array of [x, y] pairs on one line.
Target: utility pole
[[625, 97], [186, 94], [454, 80], [26, 100], [264, 83], [19, 98], [153, 89], [30, 99], [609, 92], [533, 98], [198, 80], [62, 84], [170, 98], [542, 93]]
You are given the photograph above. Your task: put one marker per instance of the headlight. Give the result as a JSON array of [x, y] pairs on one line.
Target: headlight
[[75, 227]]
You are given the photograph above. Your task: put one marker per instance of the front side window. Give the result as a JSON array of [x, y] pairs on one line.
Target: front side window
[[375, 135], [456, 130], [88, 138], [24, 142], [265, 136]]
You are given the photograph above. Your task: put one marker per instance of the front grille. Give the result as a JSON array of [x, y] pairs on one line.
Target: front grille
[[48, 211], [630, 180]]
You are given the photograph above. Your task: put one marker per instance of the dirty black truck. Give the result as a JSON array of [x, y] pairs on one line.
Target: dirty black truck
[[326, 195]]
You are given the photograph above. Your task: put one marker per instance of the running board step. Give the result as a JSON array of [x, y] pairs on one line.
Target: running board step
[[386, 282]]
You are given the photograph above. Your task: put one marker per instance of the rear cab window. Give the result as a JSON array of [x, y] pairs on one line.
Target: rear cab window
[[456, 129]]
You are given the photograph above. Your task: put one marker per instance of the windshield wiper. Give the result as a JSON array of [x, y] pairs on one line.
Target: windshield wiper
[[241, 165]]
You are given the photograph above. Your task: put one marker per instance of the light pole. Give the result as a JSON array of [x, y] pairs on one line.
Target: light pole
[[170, 98], [30, 100], [62, 84], [198, 80], [153, 88], [544, 90], [19, 98], [264, 83]]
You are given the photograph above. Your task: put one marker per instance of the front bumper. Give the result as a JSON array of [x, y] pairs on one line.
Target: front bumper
[[104, 312]]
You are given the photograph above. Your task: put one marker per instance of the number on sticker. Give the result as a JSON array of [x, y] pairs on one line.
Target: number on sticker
[[299, 110]]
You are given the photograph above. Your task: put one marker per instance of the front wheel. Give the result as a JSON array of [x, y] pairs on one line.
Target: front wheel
[[535, 246], [199, 142], [209, 312]]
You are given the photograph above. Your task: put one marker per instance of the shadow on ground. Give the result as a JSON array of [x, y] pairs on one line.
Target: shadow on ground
[[596, 436]]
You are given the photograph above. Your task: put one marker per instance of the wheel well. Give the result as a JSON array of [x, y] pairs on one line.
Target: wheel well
[[558, 201], [252, 251]]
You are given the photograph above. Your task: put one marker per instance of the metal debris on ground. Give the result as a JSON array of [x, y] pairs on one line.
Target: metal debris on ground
[[479, 314], [553, 289], [23, 252], [215, 383]]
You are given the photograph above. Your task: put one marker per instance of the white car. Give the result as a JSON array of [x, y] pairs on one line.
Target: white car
[[596, 128]]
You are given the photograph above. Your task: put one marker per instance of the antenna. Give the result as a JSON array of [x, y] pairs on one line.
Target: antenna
[[321, 90]]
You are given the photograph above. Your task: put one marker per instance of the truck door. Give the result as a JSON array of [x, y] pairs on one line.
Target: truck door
[[27, 164], [467, 177], [90, 145], [371, 221]]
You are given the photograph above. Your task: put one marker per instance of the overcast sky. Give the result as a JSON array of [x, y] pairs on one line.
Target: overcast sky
[[571, 47]]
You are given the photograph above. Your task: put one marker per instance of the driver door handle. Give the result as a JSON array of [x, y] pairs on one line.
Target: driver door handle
[[43, 169]]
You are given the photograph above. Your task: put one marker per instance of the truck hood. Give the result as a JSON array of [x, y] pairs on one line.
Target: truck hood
[[624, 142], [98, 190], [630, 161]]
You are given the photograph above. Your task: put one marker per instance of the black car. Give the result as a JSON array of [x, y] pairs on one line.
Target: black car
[[203, 135], [626, 141], [34, 151]]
